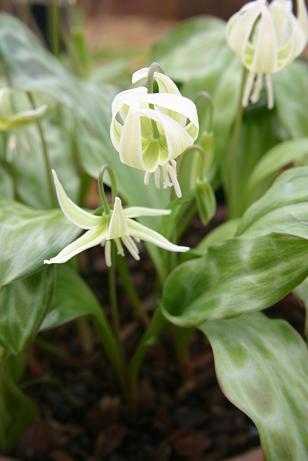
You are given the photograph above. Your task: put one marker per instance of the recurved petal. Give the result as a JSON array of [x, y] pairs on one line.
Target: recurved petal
[[130, 148], [302, 16], [240, 26], [134, 96], [141, 232], [265, 46], [165, 84], [176, 135], [175, 103], [115, 133], [90, 239], [118, 226], [73, 212], [138, 211]]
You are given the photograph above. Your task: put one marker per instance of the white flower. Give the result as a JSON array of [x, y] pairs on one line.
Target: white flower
[[150, 130], [266, 37], [118, 225]]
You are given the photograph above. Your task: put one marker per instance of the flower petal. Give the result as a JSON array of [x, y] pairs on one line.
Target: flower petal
[[134, 96], [118, 223], [176, 103], [265, 46], [176, 136], [302, 16], [139, 231], [130, 146], [138, 211], [165, 84], [73, 212], [90, 239]]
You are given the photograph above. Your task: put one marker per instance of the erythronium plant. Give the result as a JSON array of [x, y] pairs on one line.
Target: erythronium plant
[[243, 266]]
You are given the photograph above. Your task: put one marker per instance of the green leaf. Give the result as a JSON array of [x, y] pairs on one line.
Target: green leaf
[[262, 367], [16, 409], [27, 237], [190, 47], [23, 306], [276, 158], [302, 293], [284, 207], [240, 275], [291, 98], [221, 233]]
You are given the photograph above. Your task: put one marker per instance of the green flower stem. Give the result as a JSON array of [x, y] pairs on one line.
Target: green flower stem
[[204, 96], [54, 26], [232, 164], [157, 326], [39, 125], [131, 291], [101, 188], [154, 67]]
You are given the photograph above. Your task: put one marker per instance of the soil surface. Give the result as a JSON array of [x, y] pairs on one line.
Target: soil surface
[[182, 414]]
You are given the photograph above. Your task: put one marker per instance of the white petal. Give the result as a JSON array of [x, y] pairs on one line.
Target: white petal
[[266, 48], [176, 103], [302, 16], [116, 133], [138, 211], [108, 253], [130, 149], [134, 96], [90, 239], [73, 212], [240, 26], [137, 230], [165, 84], [131, 246], [118, 223], [177, 138]]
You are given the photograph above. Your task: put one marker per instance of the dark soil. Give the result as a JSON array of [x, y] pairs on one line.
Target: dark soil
[[182, 414]]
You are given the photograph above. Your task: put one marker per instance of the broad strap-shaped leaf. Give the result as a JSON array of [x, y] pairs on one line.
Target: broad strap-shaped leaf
[[284, 153], [262, 367], [239, 275], [16, 409], [291, 98], [28, 237], [283, 208], [23, 306]]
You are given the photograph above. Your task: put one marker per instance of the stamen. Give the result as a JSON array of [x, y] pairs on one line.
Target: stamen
[[146, 178], [157, 177], [108, 253], [131, 246], [269, 91], [166, 182], [248, 89], [119, 246], [257, 89], [172, 173]]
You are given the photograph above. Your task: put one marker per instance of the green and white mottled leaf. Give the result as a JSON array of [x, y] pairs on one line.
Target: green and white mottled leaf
[[237, 276], [27, 237], [275, 159], [283, 208], [218, 235], [23, 306], [262, 367], [302, 293], [190, 47], [291, 98]]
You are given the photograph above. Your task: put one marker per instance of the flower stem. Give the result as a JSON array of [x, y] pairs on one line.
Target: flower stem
[[232, 164], [47, 163], [131, 291], [152, 69], [101, 188], [113, 294], [54, 26]]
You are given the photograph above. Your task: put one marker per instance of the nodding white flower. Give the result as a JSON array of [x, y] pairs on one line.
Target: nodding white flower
[[118, 225], [266, 37], [150, 130], [10, 120]]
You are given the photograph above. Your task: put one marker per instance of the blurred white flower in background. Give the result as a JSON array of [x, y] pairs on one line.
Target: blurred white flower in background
[[266, 37], [150, 130]]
